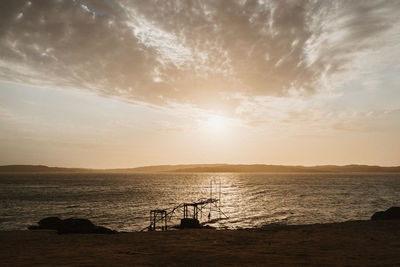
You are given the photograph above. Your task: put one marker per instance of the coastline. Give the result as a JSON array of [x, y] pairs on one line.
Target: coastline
[[208, 168], [346, 243]]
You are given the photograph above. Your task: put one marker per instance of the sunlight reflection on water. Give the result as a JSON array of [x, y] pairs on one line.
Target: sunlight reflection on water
[[123, 201]]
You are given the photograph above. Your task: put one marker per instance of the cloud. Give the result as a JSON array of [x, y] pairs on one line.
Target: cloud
[[8, 116], [203, 53]]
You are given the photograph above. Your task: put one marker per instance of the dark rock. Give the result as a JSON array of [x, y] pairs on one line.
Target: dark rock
[[71, 225], [190, 223], [34, 227], [378, 215], [392, 213], [103, 230], [51, 223]]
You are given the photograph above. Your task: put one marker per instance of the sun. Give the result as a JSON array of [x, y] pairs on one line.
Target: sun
[[215, 124]]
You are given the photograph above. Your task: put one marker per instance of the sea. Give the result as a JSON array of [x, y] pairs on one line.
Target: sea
[[123, 201]]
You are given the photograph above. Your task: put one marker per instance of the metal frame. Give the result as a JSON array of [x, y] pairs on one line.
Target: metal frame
[[162, 215]]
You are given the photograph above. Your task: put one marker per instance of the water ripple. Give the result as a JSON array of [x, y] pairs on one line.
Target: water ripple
[[123, 201]]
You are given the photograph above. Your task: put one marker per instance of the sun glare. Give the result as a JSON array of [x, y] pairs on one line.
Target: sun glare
[[215, 124]]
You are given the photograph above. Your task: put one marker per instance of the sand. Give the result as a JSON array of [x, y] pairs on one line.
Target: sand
[[348, 243]]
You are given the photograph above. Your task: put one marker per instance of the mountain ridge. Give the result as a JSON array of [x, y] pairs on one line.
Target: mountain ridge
[[260, 168]]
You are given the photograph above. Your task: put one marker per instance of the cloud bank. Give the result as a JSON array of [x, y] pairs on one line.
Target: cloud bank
[[210, 54]]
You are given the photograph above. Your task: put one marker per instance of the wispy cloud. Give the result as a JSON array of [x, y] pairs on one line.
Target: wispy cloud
[[201, 53], [8, 116]]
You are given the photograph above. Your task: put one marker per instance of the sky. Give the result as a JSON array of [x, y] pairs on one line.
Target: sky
[[114, 84]]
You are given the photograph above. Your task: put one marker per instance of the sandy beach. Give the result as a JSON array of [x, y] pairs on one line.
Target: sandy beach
[[348, 243]]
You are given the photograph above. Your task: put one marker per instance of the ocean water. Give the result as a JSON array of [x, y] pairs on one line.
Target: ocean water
[[123, 201]]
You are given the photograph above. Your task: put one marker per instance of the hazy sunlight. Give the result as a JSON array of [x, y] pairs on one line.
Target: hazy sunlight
[[215, 124]]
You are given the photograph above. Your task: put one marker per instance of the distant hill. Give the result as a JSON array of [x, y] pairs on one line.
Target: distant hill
[[167, 168], [206, 168], [288, 169], [38, 169]]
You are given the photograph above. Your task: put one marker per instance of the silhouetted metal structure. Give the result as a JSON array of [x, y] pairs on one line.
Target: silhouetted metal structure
[[158, 216], [191, 212]]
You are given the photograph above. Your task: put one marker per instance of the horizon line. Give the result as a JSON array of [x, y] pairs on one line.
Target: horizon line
[[188, 164]]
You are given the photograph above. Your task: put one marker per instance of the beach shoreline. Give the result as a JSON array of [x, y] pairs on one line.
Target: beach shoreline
[[345, 243]]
